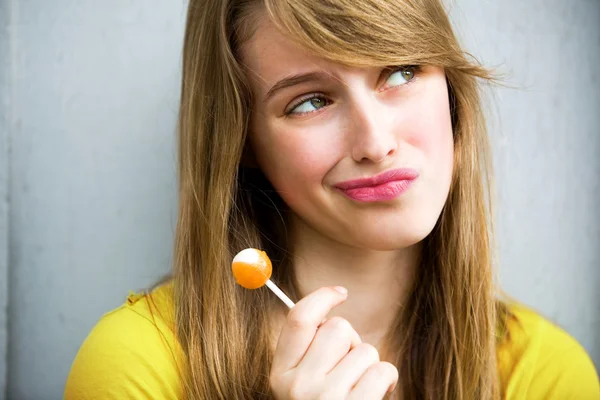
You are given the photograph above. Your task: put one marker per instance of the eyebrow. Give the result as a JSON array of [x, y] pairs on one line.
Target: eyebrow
[[316, 76]]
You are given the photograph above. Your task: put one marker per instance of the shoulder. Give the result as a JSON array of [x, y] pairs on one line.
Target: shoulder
[[537, 359], [132, 352]]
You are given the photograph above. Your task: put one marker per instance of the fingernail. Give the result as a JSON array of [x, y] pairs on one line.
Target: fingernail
[[340, 289]]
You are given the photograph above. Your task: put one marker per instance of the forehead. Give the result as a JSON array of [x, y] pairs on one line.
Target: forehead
[[268, 56]]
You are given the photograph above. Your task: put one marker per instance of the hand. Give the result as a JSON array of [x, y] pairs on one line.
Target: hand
[[315, 360]]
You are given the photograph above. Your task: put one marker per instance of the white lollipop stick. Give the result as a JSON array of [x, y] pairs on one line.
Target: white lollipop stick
[[279, 293]]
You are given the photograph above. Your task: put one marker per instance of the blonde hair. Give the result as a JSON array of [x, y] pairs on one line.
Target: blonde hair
[[447, 337]]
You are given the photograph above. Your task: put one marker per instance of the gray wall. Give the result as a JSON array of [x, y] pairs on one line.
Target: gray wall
[[546, 138], [89, 95], [4, 163], [92, 187]]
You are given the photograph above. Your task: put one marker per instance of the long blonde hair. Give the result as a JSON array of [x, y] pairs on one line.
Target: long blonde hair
[[446, 340]]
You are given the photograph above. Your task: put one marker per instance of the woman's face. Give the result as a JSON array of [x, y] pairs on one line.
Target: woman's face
[[332, 124]]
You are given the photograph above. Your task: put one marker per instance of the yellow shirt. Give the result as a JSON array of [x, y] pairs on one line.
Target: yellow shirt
[[133, 353]]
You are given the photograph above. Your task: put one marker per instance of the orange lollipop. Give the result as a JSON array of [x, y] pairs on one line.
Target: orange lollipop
[[252, 269]]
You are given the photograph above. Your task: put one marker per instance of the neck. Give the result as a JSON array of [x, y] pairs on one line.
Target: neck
[[378, 282]]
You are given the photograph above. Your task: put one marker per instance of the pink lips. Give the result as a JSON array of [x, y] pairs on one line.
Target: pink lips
[[385, 186]]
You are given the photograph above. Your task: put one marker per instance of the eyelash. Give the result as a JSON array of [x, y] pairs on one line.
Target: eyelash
[[288, 114]]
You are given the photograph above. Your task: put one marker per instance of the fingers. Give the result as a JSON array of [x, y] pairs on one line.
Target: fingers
[[333, 340], [349, 370], [378, 380], [326, 359], [301, 325]]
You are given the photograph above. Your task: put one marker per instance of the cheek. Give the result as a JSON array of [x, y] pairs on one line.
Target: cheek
[[293, 159], [432, 130]]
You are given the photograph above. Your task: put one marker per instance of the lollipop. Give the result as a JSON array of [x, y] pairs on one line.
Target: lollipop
[[252, 269]]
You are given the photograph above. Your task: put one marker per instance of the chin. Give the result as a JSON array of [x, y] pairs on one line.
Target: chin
[[392, 235], [379, 242]]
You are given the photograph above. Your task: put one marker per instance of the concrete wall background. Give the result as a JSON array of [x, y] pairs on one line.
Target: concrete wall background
[[89, 95], [92, 189], [546, 140], [4, 179]]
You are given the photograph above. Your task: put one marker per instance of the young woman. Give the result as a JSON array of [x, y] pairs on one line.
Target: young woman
[[345, 138]]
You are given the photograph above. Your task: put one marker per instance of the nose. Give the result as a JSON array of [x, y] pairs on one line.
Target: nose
[[372, 131]]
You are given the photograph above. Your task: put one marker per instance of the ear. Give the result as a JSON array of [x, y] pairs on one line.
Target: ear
[[248, 157]]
